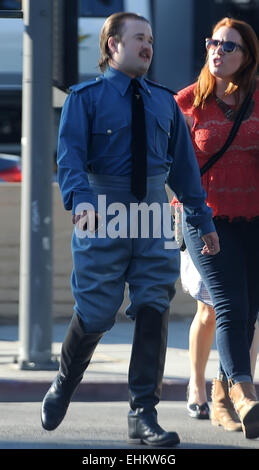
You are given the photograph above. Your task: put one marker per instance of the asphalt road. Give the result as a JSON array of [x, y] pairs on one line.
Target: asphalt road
[[97, 427], [103, 425]]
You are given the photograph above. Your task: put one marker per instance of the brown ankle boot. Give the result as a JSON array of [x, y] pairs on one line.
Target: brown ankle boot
[[222, 410], [244, 398]]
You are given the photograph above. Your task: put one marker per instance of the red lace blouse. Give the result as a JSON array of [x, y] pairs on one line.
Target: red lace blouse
[[232, 184]]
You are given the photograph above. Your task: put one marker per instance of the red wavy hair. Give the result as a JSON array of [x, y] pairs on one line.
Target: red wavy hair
[[244, 77]]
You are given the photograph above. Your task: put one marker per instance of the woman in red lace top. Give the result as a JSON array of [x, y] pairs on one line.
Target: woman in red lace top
[[232, 185]]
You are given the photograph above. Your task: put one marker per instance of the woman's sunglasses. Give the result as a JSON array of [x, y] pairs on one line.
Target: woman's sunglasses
[[228, 47]]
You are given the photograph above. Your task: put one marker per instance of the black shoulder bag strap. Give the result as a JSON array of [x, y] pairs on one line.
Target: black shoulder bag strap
[[231, 136]]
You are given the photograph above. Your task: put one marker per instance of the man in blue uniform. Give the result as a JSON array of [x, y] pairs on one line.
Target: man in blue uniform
[[108, 151]]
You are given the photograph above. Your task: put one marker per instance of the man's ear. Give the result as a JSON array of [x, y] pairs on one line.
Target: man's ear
[[113, 44]]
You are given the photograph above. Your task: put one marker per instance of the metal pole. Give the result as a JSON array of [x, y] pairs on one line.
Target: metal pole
[[35, 303]]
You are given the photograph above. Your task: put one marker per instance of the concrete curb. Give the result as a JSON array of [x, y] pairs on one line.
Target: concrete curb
[[103, 391], [27, 390]]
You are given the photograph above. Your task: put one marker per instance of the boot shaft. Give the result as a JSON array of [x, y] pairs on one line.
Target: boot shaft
[[77, 348], [222, 410], [243, 395], [148, 358], [219, 393]]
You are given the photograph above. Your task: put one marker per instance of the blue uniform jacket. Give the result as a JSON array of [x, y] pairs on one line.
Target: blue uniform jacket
[[95, 136]]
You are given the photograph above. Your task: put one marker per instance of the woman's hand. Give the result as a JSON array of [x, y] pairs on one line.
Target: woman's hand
[[211, 246]]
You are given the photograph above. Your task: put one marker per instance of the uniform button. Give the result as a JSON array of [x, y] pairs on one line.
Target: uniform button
[[109, 131]]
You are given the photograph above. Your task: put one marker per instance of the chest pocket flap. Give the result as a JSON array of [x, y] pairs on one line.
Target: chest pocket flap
[[108, 127], [109, 137]]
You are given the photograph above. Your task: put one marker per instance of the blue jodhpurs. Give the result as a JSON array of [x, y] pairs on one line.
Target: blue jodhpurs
[[232, 279], [103, 262]]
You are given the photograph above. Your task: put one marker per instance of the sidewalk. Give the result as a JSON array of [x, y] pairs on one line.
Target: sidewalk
[[106, 377]]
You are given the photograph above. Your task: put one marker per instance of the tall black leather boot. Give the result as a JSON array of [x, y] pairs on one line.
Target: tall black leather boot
[[145, 379], [76, 353]]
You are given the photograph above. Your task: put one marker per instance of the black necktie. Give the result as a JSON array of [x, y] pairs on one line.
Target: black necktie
[[139, 144]]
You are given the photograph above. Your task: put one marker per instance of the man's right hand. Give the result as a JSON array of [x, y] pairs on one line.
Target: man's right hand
[[86, 220]]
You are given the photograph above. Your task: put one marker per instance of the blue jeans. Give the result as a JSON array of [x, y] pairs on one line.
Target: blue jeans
[[232, 279]]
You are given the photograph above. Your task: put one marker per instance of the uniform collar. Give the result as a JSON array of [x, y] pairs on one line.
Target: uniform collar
[[121, 81]]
